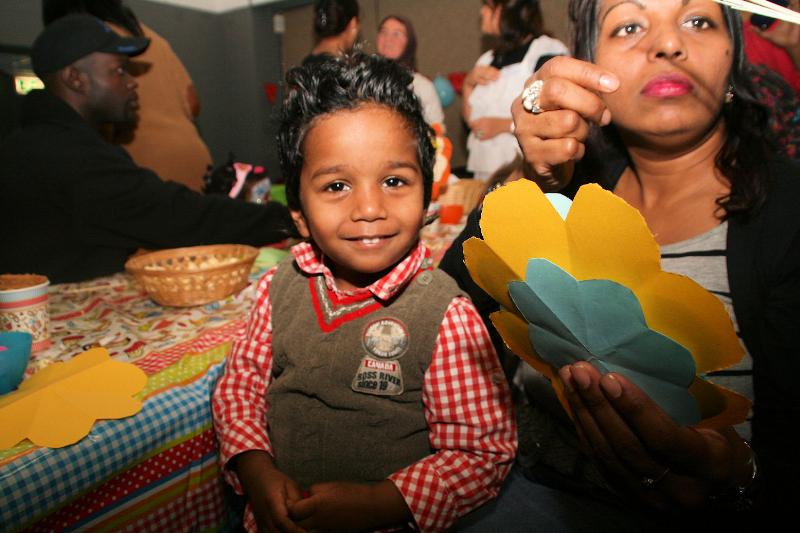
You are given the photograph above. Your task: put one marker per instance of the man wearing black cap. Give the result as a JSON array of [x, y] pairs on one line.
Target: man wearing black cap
[[73, 205]]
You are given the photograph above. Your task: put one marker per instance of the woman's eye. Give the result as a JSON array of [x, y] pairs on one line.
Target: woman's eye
[[336, 186], [627, 29], [699, 23], [394, 181]]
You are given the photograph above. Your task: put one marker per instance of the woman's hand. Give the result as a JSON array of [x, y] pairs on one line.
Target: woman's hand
[[570, 99], [481, 75], [487, 127], [643, 451], [270, 492], [341, 506]]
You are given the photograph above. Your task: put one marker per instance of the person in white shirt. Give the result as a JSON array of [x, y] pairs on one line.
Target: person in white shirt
[[498, 77]]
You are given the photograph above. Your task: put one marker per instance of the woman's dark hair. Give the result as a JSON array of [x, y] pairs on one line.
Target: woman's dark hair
[[409, 56], [331, 17], [748, 141], [108, 10], [519, 20], [346, 83]]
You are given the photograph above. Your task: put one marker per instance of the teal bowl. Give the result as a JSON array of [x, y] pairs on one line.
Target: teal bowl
[[15, 352]]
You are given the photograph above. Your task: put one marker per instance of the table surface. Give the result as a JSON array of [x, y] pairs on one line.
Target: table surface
[[157, 470]]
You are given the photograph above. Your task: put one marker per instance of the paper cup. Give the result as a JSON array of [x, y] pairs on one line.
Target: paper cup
[[23, 306]]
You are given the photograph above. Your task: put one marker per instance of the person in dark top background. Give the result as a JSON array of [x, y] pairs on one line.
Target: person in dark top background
[[336, 27], [74, 206]]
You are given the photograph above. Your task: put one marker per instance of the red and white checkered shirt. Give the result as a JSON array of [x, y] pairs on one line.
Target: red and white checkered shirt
[[467, 402]]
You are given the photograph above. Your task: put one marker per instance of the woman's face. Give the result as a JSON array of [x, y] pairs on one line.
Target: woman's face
[[392, 39], [673, 59], [490, 19]]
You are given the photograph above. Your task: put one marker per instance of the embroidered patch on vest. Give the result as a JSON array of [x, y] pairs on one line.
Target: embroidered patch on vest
[[386, 338], [382, 378]]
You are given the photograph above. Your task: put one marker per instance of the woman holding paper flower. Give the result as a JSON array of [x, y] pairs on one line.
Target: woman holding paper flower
[[657, 106]]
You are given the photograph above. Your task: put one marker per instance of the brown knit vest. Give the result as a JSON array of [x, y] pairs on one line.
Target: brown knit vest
[[346, 404]]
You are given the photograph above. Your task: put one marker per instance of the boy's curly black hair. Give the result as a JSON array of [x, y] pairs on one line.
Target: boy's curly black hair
[[346, 83]]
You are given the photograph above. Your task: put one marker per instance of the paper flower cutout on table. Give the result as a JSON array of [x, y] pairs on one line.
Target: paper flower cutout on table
[[59, 405], [602, 238]]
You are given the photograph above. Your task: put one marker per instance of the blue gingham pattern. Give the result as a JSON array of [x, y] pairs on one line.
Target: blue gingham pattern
[[47, 478]]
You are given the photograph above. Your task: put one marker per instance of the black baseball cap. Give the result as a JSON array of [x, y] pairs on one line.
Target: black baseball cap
[[70, 38]]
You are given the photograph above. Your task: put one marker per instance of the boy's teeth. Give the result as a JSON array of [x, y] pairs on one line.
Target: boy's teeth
[[370, 241]]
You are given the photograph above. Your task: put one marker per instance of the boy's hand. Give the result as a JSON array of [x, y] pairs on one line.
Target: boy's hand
[[342, 506], [270, 492]]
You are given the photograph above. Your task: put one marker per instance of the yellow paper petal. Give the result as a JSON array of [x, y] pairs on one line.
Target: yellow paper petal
[[518, 222], [58, 406], [602, 238], [489, 271], [719, 407], [609, 239], [514, 331], [687, 313]]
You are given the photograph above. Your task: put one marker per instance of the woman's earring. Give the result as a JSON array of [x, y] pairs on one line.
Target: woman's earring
[[729, 94]]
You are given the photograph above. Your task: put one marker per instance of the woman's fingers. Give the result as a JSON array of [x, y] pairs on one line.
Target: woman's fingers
[[617, 446], [561, 93], [544, 154], [625, 450], [698, 453], [582, 73], [569, 99], [482, 74], [560, 124], [575, 85], [486, 74]]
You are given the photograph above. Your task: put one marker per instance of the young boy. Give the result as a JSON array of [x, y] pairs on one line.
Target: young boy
[[366, 393]]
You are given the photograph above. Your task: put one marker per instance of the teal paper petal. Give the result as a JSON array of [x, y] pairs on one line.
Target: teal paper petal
[[601, 322], [561, 203]]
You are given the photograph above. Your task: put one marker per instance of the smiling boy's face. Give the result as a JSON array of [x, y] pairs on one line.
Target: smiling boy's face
[[361, 192]]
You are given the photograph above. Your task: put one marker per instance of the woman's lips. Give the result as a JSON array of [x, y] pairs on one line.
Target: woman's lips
[[668, 86]]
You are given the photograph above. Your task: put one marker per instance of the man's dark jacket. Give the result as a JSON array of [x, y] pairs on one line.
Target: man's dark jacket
[[74, 206]]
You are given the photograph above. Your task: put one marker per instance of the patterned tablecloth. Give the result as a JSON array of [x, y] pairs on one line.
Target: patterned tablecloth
[[157, 470]]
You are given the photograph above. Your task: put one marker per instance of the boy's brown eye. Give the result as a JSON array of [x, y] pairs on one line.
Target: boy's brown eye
[[337, 186], [394, 181]]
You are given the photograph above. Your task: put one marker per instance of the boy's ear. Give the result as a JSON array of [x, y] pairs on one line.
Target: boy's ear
[[300, 223]]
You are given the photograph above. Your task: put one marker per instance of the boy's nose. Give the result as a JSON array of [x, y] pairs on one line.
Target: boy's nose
[[368, 204]]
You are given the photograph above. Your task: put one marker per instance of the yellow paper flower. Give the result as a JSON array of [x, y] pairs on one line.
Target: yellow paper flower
[[59, 405], [602, 238]]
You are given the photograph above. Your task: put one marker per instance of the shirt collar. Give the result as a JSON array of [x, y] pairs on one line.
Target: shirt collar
[[311, 261]]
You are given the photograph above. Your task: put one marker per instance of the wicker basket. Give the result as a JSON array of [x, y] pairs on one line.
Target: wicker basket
[[183, 277], [467, 193]]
